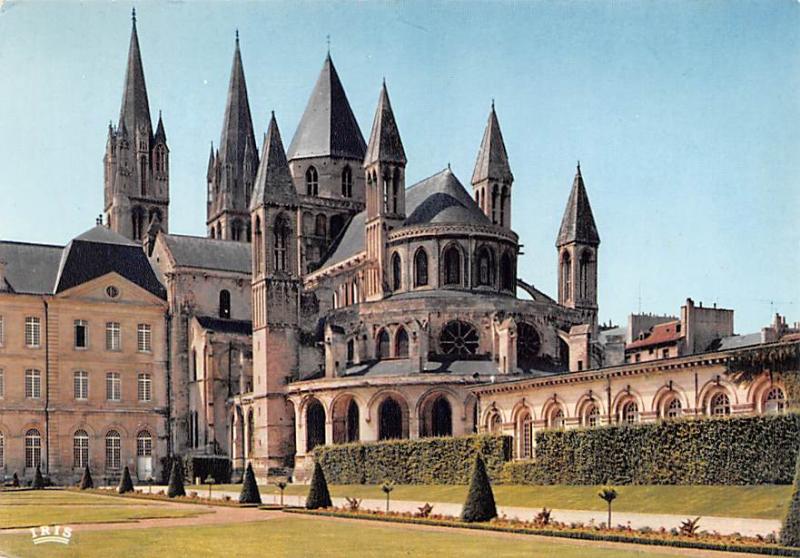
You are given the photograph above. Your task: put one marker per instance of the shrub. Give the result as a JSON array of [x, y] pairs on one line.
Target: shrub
[[38, 480], [790, 529], [480, 504], [608, 495], [218, 467], [15, 480], [421, 461], [175, 487], [249, 493], [86, 479], [125, 482], [318, 495], [749, 450]]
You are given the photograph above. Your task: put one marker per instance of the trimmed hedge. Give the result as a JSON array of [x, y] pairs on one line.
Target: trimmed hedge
[[423, 461], [751, 450]]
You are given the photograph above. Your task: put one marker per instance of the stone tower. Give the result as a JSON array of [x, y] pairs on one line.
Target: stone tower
[[136, 162], [385, 168], [325, 159], [232, 170], [276, 296], [577, 246], [492, 178]]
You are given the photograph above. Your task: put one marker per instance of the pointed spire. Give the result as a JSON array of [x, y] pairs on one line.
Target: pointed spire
[[274, 180], [328, 127], [492, 161], [578, 223], [385, 144], [161, 135], [237, 126], [210, 171], [135, 110]]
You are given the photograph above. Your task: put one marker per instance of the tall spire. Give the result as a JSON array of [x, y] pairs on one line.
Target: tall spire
[[274, 180], [210, 170], [161, 135], [237, 126], [385, 144], [492, 161], [135, 110], [578, 223], [328, 127]]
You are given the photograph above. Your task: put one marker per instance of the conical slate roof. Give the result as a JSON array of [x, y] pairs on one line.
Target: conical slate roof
[[237, 126], [328, 127], [135, 110], [273, 181], [492, 162], [578, 224], [385, 144], [442, 199], [161, 135]]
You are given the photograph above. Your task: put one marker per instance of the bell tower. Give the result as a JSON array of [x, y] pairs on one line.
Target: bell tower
[[492, 178]]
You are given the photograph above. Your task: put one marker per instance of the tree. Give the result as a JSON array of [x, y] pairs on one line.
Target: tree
[[387, 489], [38, 480], [175, 487], [790, 529], [250, 493], [318, 495], [609, 495], [86, 479], [125, 482], [15, 480], [480, 504]]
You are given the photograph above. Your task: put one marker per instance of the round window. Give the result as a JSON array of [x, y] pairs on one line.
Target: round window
[[112, 291]]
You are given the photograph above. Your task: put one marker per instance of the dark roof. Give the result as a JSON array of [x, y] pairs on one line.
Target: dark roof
[[328, 126], [492, 161], [135, 109], [274, 180], [209, 253], [578, 225], [384, 141], [242, 327], [30, 268], [99, 251], [441, 198], [470, 368], [735, 342], [350, 241]]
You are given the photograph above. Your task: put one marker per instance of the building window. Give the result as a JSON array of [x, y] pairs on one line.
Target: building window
[[664, 353], [32, 332], [113, 336], [280, 242], [81, 334], [257, 238], [720, 405], [452, 266], [351, 351], [774, 402], [382, 347], [485, 267], [321, 226], [236, 230], [312, 182], [673, 409], [144, 444], [2, 384], [420, 268], [528, 344], [347, 182], [638, 357], [495, 195], [591, 417], [33, 449], [401, 343], [495, 423], [144, 338], [113, 386], [33, 384], [506, 273], [459, 339], [2, 332], [526, 436], [80, 385], [193, 364], [397, 272], [113, 450], [145, 387], [80, 449], [2, 450], [583, 273], [566, 277], [557, 419], [630, 413], [225, 304]]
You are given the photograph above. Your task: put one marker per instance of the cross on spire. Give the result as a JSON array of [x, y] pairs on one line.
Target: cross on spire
[[328, 40], [133, 15]]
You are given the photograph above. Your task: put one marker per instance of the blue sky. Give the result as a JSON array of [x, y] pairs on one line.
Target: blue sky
[[684, 116]]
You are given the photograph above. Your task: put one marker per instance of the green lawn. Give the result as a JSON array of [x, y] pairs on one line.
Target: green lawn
[[299, 536], [762, 502], [35, 508]]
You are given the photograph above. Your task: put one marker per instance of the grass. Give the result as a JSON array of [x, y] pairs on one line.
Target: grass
[[34, 508], [289, 537], [758, 502]]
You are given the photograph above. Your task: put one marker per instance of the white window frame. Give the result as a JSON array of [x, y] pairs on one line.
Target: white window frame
[[2, 451], [76, 325], [144, 338], [113, 451], [144, 444], [33, 448], [80, 385], [33, 332], [80, 449], [144, 387], [2, 383], [2, 331], [33, 383], [113, 336], [113, 386]]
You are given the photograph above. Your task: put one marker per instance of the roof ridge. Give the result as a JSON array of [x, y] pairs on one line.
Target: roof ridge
[[27, 243]]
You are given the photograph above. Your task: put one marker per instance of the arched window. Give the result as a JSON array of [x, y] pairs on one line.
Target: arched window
[[506, 272], [259, 242], [280, 243], [236, 230], [396, 191], [441, 418], [720, 405], [315, 425], [525, 436], [312, 182], [495, 423], [591, 416], [335, 300], [33, 449], [161, 159], [485, 267], [528, 344], [420, 268], [352, 421], [566, 276], [337, 222], [382, 346], [80, 449], [452, 266], [321, 226], [673, 409], [397, 272], [390, 420], [459, 339], [347, 182], [138, 216], [387, 179], [503, 205], [143, 175], [113, 450], [401, 343], [213, 232], [557, 419], [630, 413], [495, 195], [584, 273], [775, 401], [249, 232], [144, 444], [219, 231], [224, 304], [351, 350]]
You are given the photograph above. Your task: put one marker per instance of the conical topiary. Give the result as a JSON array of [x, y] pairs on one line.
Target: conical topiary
[[790, 529], [480, 504], [38, 480], [15, 480], [86, 479], [250, 493], [125, 482], [175, 487], [318, 495]]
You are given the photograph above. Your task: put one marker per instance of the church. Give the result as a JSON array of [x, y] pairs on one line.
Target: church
[[329, 302]]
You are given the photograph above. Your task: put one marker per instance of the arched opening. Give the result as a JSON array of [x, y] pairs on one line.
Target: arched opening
[[347, 182], [224, 304], [556, 418], [33, 449], [396, 191], [390, 420], [321, 226], [138, 218], [504, 209], [459, 339], [280, 243], [315, 425], [629, 413], [352, 422], [144, 455], [401, 343], [495, 195], [441, 417], [337, 223], [720, 405], [525, 435], [774, 401], [452, 266], [113, 450], [397, 272], [312, 182], [345, 420], [584, 273], [506, 272], [259, 242], [80, 449], [566, 276], [420, 268], [382, 345], [528, 345], [485, 267], [236, 230], [495, 423], [591, 415]]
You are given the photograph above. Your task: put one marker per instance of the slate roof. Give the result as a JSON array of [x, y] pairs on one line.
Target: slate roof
[[492, 162], [384, 144], [237, 127], [350, 241], [400, 367], [30, 268], [328, 126], [135, 109], [209, 253], [274, 180], [735, 342], [242, 327], [578, 225]]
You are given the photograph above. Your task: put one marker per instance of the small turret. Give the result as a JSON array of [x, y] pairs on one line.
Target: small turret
[[492, 178]]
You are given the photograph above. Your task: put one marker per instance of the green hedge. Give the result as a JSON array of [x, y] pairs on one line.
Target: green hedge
[[752, 450], [423, 461]]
